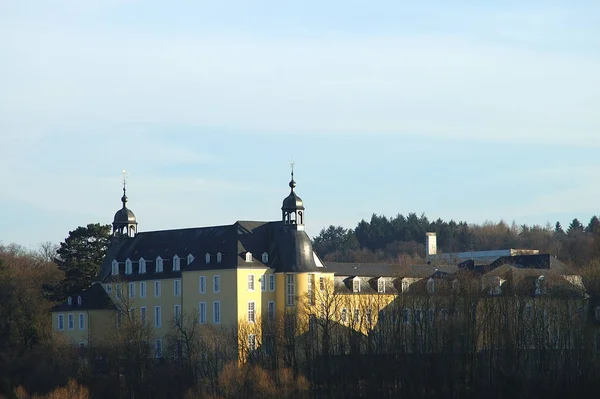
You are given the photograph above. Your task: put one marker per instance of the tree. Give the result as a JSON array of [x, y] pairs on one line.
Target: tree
[[575, 228], [80, 257]]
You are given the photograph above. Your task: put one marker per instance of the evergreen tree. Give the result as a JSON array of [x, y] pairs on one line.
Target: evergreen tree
[[594, 226], [575, 228], [80, 257], [558, 228]]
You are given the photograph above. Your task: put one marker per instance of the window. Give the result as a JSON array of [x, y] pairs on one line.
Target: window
[[271, 311], [202, 285], [61, 322], [494, 283], [251, 342], [132, 315], [216, 284], [176, 264], [79, 300], [356, 315], [381, 285], [251, 312], [290, 290], [356, 284], [207, 258], [143, 315], [142, 266], [216, 312], [311, 294], [344, 315], [369, 315], [265, 257], [177, 287], [431, 285], [177, 314], [131, 290], [219, 257], [190, 258], [540, 285], [202, 312], [251, 282], [405, 285], [271, 282], [128, 267], [142, 289], [69, 301], [71, 321], [263, 282], [81, 321], [108, 288], [157, 289], [322, 283], [115, 267], [119, 292], [157, 317], [158, 348], [159, 264], [248, 256]]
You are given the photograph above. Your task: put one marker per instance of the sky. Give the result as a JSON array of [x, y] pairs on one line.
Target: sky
[[465, 110]]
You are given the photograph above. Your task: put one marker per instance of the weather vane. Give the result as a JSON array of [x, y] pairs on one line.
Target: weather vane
[[292, 163], [124, 177]]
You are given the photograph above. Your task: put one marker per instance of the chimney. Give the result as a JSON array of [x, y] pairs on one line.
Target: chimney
[[430, 245]]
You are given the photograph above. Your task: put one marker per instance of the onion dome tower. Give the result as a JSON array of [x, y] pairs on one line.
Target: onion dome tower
[[124, 222], [292, 210]]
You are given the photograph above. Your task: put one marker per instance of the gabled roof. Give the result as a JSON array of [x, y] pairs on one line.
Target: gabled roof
[[92, 298], [387, 270], [289, 250]]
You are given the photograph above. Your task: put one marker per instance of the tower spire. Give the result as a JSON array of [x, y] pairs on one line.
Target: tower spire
[[292, 182], [124, 223], [124, 176]]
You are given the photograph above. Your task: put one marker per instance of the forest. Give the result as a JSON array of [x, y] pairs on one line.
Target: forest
[[430, 354]]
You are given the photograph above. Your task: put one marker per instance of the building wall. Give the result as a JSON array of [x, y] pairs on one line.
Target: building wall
[[227, 295], [96, 324]]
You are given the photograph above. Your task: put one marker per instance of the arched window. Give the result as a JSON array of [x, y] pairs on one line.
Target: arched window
[[207, 258], [115, 267], [248, 256], [265, 257], [190, 258], [128, 267], [356, 284], [69, 301], [142, 266], [540, 285], [159, 264], [79, 300], [219, 257], [431, 285], [176, 263]]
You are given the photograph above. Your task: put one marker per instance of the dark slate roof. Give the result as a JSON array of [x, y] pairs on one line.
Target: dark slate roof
[[288, 250], [92, 298], [541, 262], [387, 269]]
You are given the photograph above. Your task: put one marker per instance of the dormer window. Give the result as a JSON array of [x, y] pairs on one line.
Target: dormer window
[[190, 258], [115, 267], [405, 285], [219, 257], [159, 264], [431, 285], [207, 258], [265, 257], [494, 284], [248, 256], [381, 285], [356, 284], [142, 266], [176, 263], [69, 301], [128, 267], [540, 285], [79, 300]]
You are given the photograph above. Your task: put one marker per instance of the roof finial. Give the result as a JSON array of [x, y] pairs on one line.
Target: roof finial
[[292, 182], [124, 176]]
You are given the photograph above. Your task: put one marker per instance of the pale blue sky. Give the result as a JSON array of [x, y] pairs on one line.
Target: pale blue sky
[[463, 110]]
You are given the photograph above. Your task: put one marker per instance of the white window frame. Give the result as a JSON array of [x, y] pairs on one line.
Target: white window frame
[[216, 312], [190, 258], [381, 285], [356, 315], [216, 284], [356, 284], [157, 317], [322, 283], [271, 282], [219, 257], [207, 258], [131, 290], [177, 287], [202, 284], [202, 312], [251, 342], [176, 314], [142, 266], [81, 321], [431, 285], [115, 267], [157, 289], [176, 263], [310, 288], [128, 266], [290, 290], [79, 300], [159, 264], [271, 311], [70, 322], [265, 257], [60, 322], [248, 256], [263, 283], [158, 348], [143, 315], [142, 289], [251, 282], [108, 288], [251, 312]]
